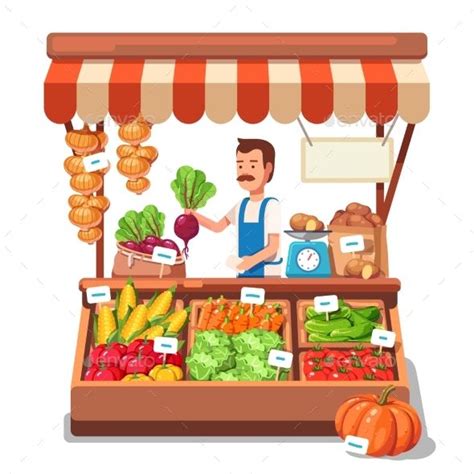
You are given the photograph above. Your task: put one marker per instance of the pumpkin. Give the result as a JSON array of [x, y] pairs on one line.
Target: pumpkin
[[86, 183], [135, 132], [74, 165], [133, 167], [148, 152], [126, 150], [91, 235], [99, 202], [138, 186], [390, 425], [82, 141], [77, 200], [85, 217]]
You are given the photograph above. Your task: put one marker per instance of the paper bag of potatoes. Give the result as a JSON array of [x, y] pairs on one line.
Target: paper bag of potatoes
[[306, 223]]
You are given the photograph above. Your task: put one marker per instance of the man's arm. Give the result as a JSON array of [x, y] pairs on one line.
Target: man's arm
[[215, 226], [263, 255]]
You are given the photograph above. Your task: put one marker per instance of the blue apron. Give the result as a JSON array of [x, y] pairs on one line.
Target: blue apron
[[252, 239]]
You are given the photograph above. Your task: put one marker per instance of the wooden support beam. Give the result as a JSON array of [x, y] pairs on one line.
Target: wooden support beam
[[99, 250], [397, 170], [379, 187]]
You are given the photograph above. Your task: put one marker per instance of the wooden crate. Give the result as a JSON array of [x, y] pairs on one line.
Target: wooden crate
[[285, 330], [302, 305], [192, 408]]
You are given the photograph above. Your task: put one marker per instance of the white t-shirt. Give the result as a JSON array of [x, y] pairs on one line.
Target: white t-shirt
[[272, 225]]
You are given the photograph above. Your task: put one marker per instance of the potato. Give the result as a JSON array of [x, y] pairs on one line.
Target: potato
[[375, 219], [359, 268], [358, 221], [311, 224], [359, 209], [298, 222], [340, 219], [320, 226]]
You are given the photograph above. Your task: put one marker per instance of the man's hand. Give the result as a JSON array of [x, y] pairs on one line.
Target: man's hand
[[247, 263]]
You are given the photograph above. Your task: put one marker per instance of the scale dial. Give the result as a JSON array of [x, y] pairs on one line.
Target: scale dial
[[308, 259]]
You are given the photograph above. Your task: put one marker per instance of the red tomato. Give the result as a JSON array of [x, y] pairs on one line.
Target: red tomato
[[316, 375], [108, 374], [95, 354], [352, 375], [141, 345], [125, 359], [369, 360], [359, 372], [111, 355], [90, 372], [379, 374], [309, 355], [338, 376], [329, 363], [174, 359], [140, 364]]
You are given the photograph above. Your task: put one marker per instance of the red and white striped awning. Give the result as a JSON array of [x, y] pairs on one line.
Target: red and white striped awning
[[251, 88]]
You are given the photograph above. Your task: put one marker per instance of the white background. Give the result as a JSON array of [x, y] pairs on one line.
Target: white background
[[430, 230]]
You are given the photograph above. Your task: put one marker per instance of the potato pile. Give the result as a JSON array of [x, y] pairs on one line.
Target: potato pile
[[306, 223], [357, 215], [359, 268]]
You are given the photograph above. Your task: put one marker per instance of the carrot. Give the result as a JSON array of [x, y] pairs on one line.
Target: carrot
[[234, 310], [241, 321], [266, 323], [205, 314], [277, 321], [216, 318], [221, 301], [254, 321], [227, 326]]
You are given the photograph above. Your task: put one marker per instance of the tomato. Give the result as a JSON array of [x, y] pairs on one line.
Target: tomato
[[369, 360], [139, 364], [328, 362], [359, 372], [111, 355], [95, 353], [338, 376], [141, 345], [125, 359], [389, 373], [103, 373], [379, 374], [90, 372], [387, 359], [316, 375], [352, 375], [173, 359], [309, 355]]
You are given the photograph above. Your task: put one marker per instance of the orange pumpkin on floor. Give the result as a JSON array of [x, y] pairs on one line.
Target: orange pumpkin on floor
[[390, 425]]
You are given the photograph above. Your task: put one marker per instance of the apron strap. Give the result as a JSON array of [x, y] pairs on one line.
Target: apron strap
[[243, 207]]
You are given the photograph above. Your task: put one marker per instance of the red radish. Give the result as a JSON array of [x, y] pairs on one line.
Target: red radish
[[186, 227]]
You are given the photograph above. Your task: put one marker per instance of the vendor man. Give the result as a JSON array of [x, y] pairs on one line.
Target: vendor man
[[256, 217]]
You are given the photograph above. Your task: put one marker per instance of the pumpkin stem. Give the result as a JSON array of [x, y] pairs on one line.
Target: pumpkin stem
[[384, 396]]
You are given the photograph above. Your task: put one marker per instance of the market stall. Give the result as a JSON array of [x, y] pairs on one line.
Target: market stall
[[220, 378]]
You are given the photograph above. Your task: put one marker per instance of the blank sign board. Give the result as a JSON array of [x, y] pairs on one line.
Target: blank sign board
[[346, 160]]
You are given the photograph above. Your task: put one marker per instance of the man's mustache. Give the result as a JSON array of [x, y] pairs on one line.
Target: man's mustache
[[246, 177]]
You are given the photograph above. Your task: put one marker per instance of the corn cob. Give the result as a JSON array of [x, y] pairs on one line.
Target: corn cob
[[106, 324], [151, 333], [162, 304], [128, 298], [135, 322], [176, 321]]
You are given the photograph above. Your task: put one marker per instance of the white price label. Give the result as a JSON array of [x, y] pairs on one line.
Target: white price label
[[164, 255], [98, 294], [326, 304], [95, 163], [165, 345], [281, 359], [252, 295], [383, 338], [352, 243], [356, 444]]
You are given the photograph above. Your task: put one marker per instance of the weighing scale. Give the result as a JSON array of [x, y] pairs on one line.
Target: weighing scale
[[308, 258]]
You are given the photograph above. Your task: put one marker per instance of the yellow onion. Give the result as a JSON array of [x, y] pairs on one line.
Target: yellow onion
[[76, 200], [138, 186], [74, 165], [133, 167], [126, 150], [85, 217], [99, 202], [82, 141], [135, 132], [148, 152], [103, 139], [86, 183], [91, 235]]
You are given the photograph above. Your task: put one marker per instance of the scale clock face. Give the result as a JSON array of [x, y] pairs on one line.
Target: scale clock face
[[308, 259]]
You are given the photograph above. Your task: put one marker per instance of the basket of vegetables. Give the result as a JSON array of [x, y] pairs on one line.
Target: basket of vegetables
[[138, 234]]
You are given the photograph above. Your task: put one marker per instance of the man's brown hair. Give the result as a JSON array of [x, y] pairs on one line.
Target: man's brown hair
[[246, 145]]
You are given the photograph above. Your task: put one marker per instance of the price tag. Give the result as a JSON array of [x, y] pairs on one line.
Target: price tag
[[326, 304], [165, 345], [280, 359], [382, 338], [95, 163], [252, 295], [356, 444], [352, 243], [164, 256], [98, 294]]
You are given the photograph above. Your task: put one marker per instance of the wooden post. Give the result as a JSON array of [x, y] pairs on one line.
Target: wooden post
[[379, 187], [397, 170], [99, 249]]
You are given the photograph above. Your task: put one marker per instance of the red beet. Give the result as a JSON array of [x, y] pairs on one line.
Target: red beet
[[186, 227], [170, 244], [152, 240]]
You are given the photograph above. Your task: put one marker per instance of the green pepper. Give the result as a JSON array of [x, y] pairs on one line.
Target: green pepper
[[315, 337], [325, 327], [360, 330]]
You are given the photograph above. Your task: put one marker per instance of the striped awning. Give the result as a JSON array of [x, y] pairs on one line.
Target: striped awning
[[251, 88]]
